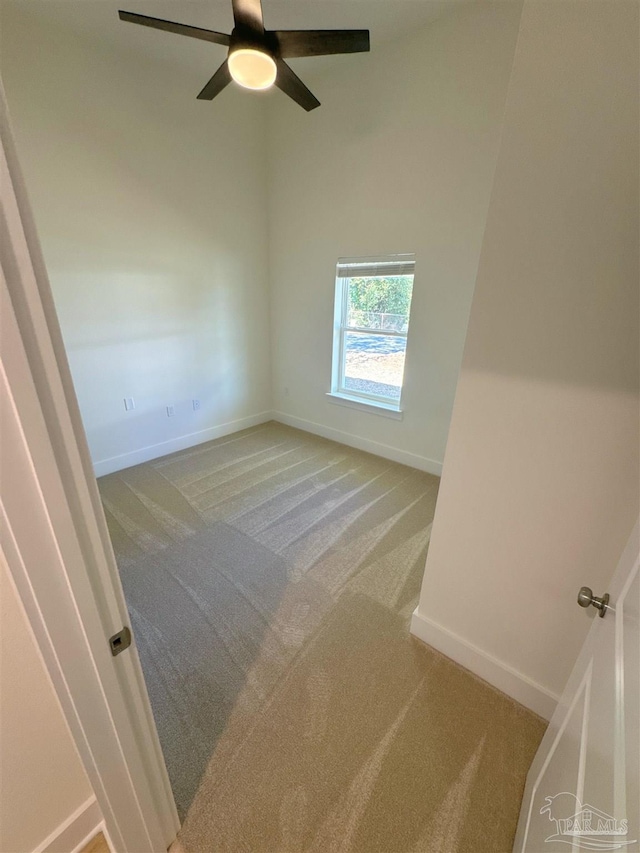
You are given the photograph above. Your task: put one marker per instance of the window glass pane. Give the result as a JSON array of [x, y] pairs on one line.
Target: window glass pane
[[374, 364], [379, 302], [373, 301]]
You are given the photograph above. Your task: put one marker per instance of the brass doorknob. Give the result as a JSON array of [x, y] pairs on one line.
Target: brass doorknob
[[586, 598]]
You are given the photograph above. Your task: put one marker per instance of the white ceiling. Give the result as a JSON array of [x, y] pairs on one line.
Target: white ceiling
[[97, 19]]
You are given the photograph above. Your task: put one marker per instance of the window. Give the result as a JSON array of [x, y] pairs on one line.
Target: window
[[373, 301]]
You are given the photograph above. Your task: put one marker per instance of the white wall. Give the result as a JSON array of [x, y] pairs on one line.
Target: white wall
[[399, 158], [156, 237], [540, 484], [155, 234], [42, 779], [153, 229]]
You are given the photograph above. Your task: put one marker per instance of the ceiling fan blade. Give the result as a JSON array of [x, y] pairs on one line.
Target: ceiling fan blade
[[292, 85], [247, 14], [220, 79], [172, 27], [321, 42]]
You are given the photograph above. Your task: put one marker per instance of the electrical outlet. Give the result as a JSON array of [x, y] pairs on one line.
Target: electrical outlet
[[169, 411], [129, 404], [196, 405]]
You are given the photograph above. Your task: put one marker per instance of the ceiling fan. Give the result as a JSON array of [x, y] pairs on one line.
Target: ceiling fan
[[256, 56]]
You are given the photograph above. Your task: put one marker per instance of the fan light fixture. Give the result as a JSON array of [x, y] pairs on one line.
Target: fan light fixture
[[256, 56], [251, 68]]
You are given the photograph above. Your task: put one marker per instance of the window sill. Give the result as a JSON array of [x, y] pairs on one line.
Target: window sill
[[387, 410]]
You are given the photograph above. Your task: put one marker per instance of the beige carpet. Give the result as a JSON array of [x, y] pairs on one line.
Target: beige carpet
[[270, 577]]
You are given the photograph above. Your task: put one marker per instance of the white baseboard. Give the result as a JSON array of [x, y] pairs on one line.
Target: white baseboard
[[516, 685], [182, 442], [76, 831], [422, 463]]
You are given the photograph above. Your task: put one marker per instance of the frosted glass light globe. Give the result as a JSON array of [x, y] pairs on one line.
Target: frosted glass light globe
[[253, 69]]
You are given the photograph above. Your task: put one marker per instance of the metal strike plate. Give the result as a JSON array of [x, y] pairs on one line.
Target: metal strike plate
[[120, 641]]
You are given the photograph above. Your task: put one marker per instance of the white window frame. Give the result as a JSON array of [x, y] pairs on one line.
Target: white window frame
[[403, 264]]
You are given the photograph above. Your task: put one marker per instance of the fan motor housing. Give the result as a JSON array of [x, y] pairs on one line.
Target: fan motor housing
[[249, 38]]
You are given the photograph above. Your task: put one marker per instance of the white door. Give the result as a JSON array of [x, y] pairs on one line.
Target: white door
[[582, 790], [54, 535]]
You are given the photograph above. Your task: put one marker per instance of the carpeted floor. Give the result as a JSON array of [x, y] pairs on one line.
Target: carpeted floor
[[270, 577]]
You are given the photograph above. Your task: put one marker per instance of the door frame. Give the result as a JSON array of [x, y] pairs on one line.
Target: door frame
[[74, 600]]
